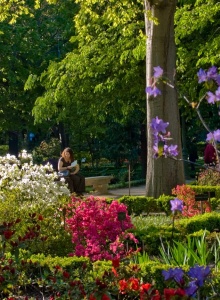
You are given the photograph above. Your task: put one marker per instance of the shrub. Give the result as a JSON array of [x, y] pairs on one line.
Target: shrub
[[30, 182], [208, 177], [187, 195], [141, 204], [138, 204], [97, 229], [208, 221]]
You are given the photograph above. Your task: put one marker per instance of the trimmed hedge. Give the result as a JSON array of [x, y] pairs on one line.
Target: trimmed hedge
[[199, 189], [144, 205], [140, 204], [150, 238]]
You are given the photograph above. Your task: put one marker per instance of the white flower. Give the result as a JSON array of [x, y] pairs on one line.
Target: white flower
[[35, 183]]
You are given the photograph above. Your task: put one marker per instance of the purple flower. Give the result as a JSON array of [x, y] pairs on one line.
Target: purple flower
[[153, 91], [202, 76], [209, 137], [176, 205], [191, 289], [176, 274], [171, 150], [158, 72], [200, 273], [215, 135], [155, 151], [158, 125], [217, 94], [211, 98], [217, 79], [212, 73]]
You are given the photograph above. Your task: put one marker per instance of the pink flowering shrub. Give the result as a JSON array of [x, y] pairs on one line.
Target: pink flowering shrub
[[96, 231], [187, 195]]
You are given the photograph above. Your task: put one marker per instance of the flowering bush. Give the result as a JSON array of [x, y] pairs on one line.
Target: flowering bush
[[209, 177], [187, 195], [30, 181], [97, 231]]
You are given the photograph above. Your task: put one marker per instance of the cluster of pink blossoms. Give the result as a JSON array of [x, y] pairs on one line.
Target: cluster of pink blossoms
[[96, 230]]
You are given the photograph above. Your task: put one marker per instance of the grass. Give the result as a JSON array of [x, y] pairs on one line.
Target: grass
[[143, 222]]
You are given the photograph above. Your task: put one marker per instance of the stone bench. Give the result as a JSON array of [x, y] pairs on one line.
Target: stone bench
[[99, 183]]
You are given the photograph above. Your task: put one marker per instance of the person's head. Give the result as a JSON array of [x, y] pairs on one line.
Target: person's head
[[68, 154]]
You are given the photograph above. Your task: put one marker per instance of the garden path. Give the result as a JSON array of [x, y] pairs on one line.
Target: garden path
[[133, 191]]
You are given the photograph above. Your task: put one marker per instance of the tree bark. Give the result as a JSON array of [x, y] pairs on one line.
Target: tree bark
[[13, 143], [163, 174]]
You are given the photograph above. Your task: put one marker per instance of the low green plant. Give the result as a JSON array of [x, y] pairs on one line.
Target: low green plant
[[143, 222], [142, 257], [193, 251]]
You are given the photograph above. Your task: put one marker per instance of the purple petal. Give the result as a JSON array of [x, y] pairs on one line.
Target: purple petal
[[212, 73], [176, 205], [158, 72], [216, 135], [211, 98], [209, 137], [202, 76], [158, 125]]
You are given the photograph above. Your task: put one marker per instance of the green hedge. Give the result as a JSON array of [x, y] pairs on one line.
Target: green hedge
[[150, 272], [140, 204], [144, 205], [150, 238], [199, 189], [208, 221]]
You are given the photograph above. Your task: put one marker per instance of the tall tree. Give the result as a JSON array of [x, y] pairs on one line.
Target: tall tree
[[163, 174], [27, 46], [106, 73], [198, 45], [103, 77]]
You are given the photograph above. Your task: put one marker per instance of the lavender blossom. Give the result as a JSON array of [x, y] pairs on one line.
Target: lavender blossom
[[176, 274], [215, 135], [202, 76], [211, 98], [158, 72], [200, 273], [212, 73], [158, 125], [217, 94], [209, 137], [153, 91], [176, 205], [191, 289], [170, 150]]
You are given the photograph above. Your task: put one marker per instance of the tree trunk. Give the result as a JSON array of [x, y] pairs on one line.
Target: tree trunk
[[13, 143], [163, 174], [143, 149], [64, 138]]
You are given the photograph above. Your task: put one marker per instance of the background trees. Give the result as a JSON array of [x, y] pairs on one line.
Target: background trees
[[83, 64], [197, 39], [27, 46], [101, 81]]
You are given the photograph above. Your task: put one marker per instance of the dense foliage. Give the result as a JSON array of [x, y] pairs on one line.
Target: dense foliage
[[97, 230]]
